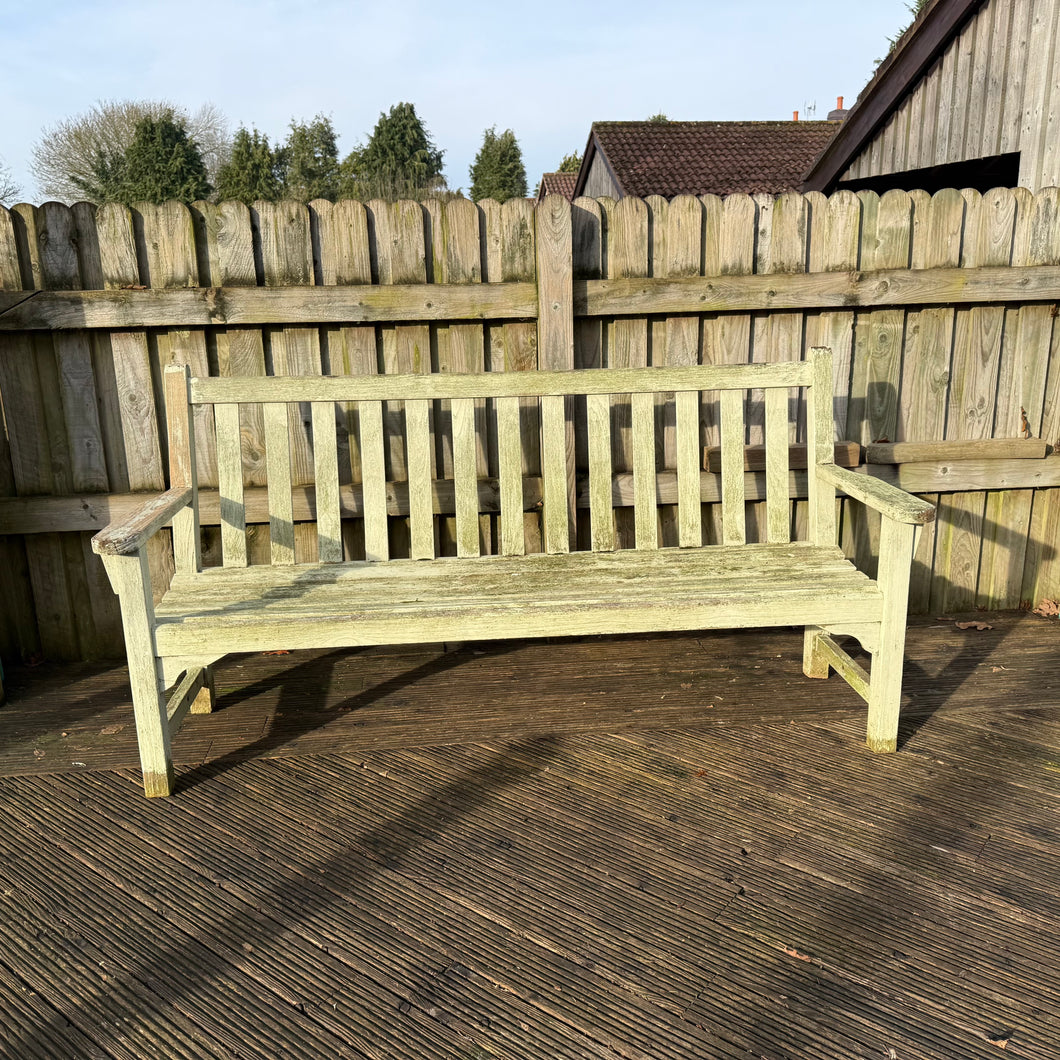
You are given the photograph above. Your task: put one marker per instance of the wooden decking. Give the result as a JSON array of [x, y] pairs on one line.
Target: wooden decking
[[669, 847]]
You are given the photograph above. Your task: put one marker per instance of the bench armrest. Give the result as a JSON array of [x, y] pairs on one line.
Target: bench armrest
[[128, 537], [889, 500]]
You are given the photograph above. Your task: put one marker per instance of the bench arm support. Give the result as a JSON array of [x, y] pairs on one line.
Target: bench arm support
[[128, 537], [889, 500]]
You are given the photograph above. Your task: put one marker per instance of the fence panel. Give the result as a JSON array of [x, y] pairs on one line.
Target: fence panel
[[963, 349]]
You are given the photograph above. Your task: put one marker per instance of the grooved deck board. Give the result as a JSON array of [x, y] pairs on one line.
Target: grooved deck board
[[644, 846]]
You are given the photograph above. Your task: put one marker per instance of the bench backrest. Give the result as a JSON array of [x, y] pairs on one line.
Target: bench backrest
[[403, 411]]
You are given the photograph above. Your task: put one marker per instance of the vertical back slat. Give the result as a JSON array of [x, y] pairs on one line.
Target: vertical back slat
[[230, 485], [326, 476], [820, 449], [186, 549], [734, 522], [601, 512], [644, 486], [510, 471], [778, 523], [373, 481], [278, 464], [689, 505], [418, 459], [554, 474], [465, 476]]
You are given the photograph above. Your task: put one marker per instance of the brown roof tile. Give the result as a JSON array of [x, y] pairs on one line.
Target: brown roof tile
[[711, 157], [558, 184]]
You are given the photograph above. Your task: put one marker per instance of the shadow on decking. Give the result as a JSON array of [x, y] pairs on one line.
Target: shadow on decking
[[287, 689], [313, 892], [742, 880]]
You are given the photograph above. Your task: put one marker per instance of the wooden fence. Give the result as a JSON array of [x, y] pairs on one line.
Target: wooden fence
[[940, 311]]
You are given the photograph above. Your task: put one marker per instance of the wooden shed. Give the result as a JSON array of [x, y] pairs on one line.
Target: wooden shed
[[968, 98]]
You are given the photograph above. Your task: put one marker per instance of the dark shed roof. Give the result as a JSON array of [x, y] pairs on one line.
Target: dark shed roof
[[707, 157], [558, 184]]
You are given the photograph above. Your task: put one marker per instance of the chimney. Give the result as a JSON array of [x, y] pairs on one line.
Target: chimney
[[839, 113], [795, 116]]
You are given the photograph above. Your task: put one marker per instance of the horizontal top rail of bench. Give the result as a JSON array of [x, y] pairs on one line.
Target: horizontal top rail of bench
[[188, 307], [266, 389]]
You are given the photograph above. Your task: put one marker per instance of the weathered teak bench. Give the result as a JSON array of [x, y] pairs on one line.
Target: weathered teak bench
[[207, 613]]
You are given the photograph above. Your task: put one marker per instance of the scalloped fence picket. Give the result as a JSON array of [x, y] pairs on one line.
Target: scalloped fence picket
[[940, 311]]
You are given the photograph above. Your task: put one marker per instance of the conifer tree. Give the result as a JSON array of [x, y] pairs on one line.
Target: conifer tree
[[498, 171], [399, 160], [309, 161], [161, 163], [66, 159], [251, 172]]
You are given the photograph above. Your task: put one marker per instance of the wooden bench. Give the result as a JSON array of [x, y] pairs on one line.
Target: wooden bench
[[207, 613]]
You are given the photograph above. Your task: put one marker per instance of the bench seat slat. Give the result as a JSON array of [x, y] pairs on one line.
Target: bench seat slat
[[363, 603]]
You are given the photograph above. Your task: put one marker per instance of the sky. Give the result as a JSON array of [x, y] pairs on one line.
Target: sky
[[546, 70]]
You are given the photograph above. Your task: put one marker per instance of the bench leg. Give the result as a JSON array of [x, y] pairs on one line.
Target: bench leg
[[814, 664], [204, 701], [130, 578], [885, 690]]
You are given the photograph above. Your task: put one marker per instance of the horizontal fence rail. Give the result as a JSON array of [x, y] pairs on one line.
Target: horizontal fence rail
[[940, 312], [246, 307]]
